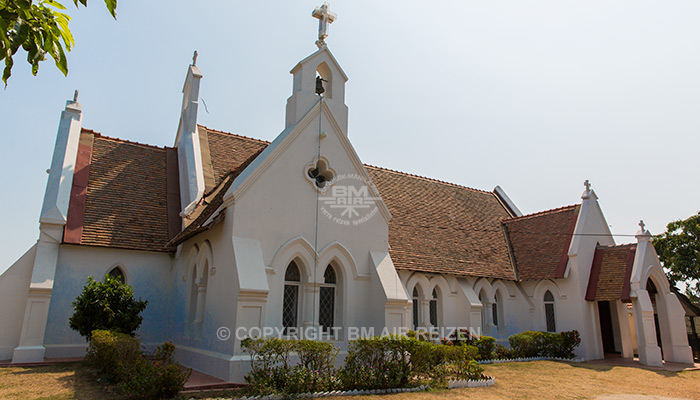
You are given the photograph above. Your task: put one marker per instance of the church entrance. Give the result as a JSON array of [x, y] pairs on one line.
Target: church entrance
[[606, 328], [651, 288]]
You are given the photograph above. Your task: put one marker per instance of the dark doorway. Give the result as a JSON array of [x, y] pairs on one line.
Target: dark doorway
[[651, 289], [606, 327]]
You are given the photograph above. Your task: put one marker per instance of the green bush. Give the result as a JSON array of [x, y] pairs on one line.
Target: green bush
[[108, 350], [504, 353], [486, 346], [544, 344], [271, 371], [381, 362], [157, 377], [108, 305]]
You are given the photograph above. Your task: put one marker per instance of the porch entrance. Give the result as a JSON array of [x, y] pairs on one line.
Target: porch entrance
[[606, 329]]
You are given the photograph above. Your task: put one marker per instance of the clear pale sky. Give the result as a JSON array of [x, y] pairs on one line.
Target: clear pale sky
[[534, 96]]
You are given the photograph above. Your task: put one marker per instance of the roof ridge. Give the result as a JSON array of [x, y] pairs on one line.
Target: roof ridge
[[540, 213], [616, 246], [99, 135], [234, 134], [427, 179]]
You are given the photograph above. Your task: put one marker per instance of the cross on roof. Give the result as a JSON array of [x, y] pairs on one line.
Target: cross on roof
[[325, 17], [641, 225], [587, 184]]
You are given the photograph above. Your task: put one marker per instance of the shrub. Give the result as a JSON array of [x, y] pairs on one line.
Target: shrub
[[108, 305], [156, 378], [108, 350], [271, 371], [544, 344], [502, 352], [486, 346], [381, 362]]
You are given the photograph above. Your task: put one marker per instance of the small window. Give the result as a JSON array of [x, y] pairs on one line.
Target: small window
[[117, 274], [320, 174], [549, 312], [290, 301], [326, 315], [434, 309], [494, 312], [416, 308]]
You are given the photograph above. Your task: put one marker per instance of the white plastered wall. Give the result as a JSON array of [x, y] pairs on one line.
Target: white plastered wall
[[14, 286]]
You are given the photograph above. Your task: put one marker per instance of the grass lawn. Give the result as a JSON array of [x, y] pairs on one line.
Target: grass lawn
[[540, 380]]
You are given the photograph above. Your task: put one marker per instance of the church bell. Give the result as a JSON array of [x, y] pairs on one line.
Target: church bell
[[319, 85]]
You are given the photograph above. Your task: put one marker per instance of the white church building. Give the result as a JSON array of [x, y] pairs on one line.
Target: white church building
[[222, 233]]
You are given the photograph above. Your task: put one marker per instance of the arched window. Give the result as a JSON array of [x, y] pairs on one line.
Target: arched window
[[198, 297], [549, 313], [434, 309], [117, 274], [290, 306], [326, 314], [416, 308], [484, 311], [494, 311]]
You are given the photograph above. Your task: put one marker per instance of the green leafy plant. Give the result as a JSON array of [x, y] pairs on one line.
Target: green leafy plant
[[108, 305], [39, 27], [545, 344], [679, 251], [486, 346], [153, 378], [109, 351]]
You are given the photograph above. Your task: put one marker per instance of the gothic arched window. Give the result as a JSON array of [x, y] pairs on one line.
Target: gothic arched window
[[117, 274], [326, 314], [494, 311], [484, 310], [416, 308], [434, 309], [549, 312], [290, 306]]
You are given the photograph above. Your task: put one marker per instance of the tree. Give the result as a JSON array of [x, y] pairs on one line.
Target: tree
[[679, 251], [108, 305], [40, 28]]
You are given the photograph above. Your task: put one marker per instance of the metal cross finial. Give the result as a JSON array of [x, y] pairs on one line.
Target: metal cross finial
[[641, 225], [75, 96], [325, 17], [194, 58], [587, 184]]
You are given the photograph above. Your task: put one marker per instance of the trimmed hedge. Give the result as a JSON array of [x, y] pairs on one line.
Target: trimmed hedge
[[381, 362], [544, 344]]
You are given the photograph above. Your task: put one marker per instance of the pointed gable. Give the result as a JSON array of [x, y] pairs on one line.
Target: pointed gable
[[610, 273]]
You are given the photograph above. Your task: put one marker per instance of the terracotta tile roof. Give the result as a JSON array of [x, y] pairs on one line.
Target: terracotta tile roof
[[610, 273], [441, 227], [437, 227], [126, 202], [229, 151], [540, 242], [209, 204]]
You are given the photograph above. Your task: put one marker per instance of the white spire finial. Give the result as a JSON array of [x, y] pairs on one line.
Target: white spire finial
[[325, 17], [642, 225], [75, 96], [587, 184]]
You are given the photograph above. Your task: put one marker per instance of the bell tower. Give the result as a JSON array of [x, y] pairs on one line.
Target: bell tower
[[319, 64]]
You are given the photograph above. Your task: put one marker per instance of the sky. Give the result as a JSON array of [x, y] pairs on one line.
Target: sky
[[535, 96]]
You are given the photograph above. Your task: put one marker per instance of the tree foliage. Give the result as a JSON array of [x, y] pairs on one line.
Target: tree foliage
[[679, 251], [40, 27], [108, 305]]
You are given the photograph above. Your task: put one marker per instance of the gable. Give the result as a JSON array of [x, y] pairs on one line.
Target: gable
[[610, 273]]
